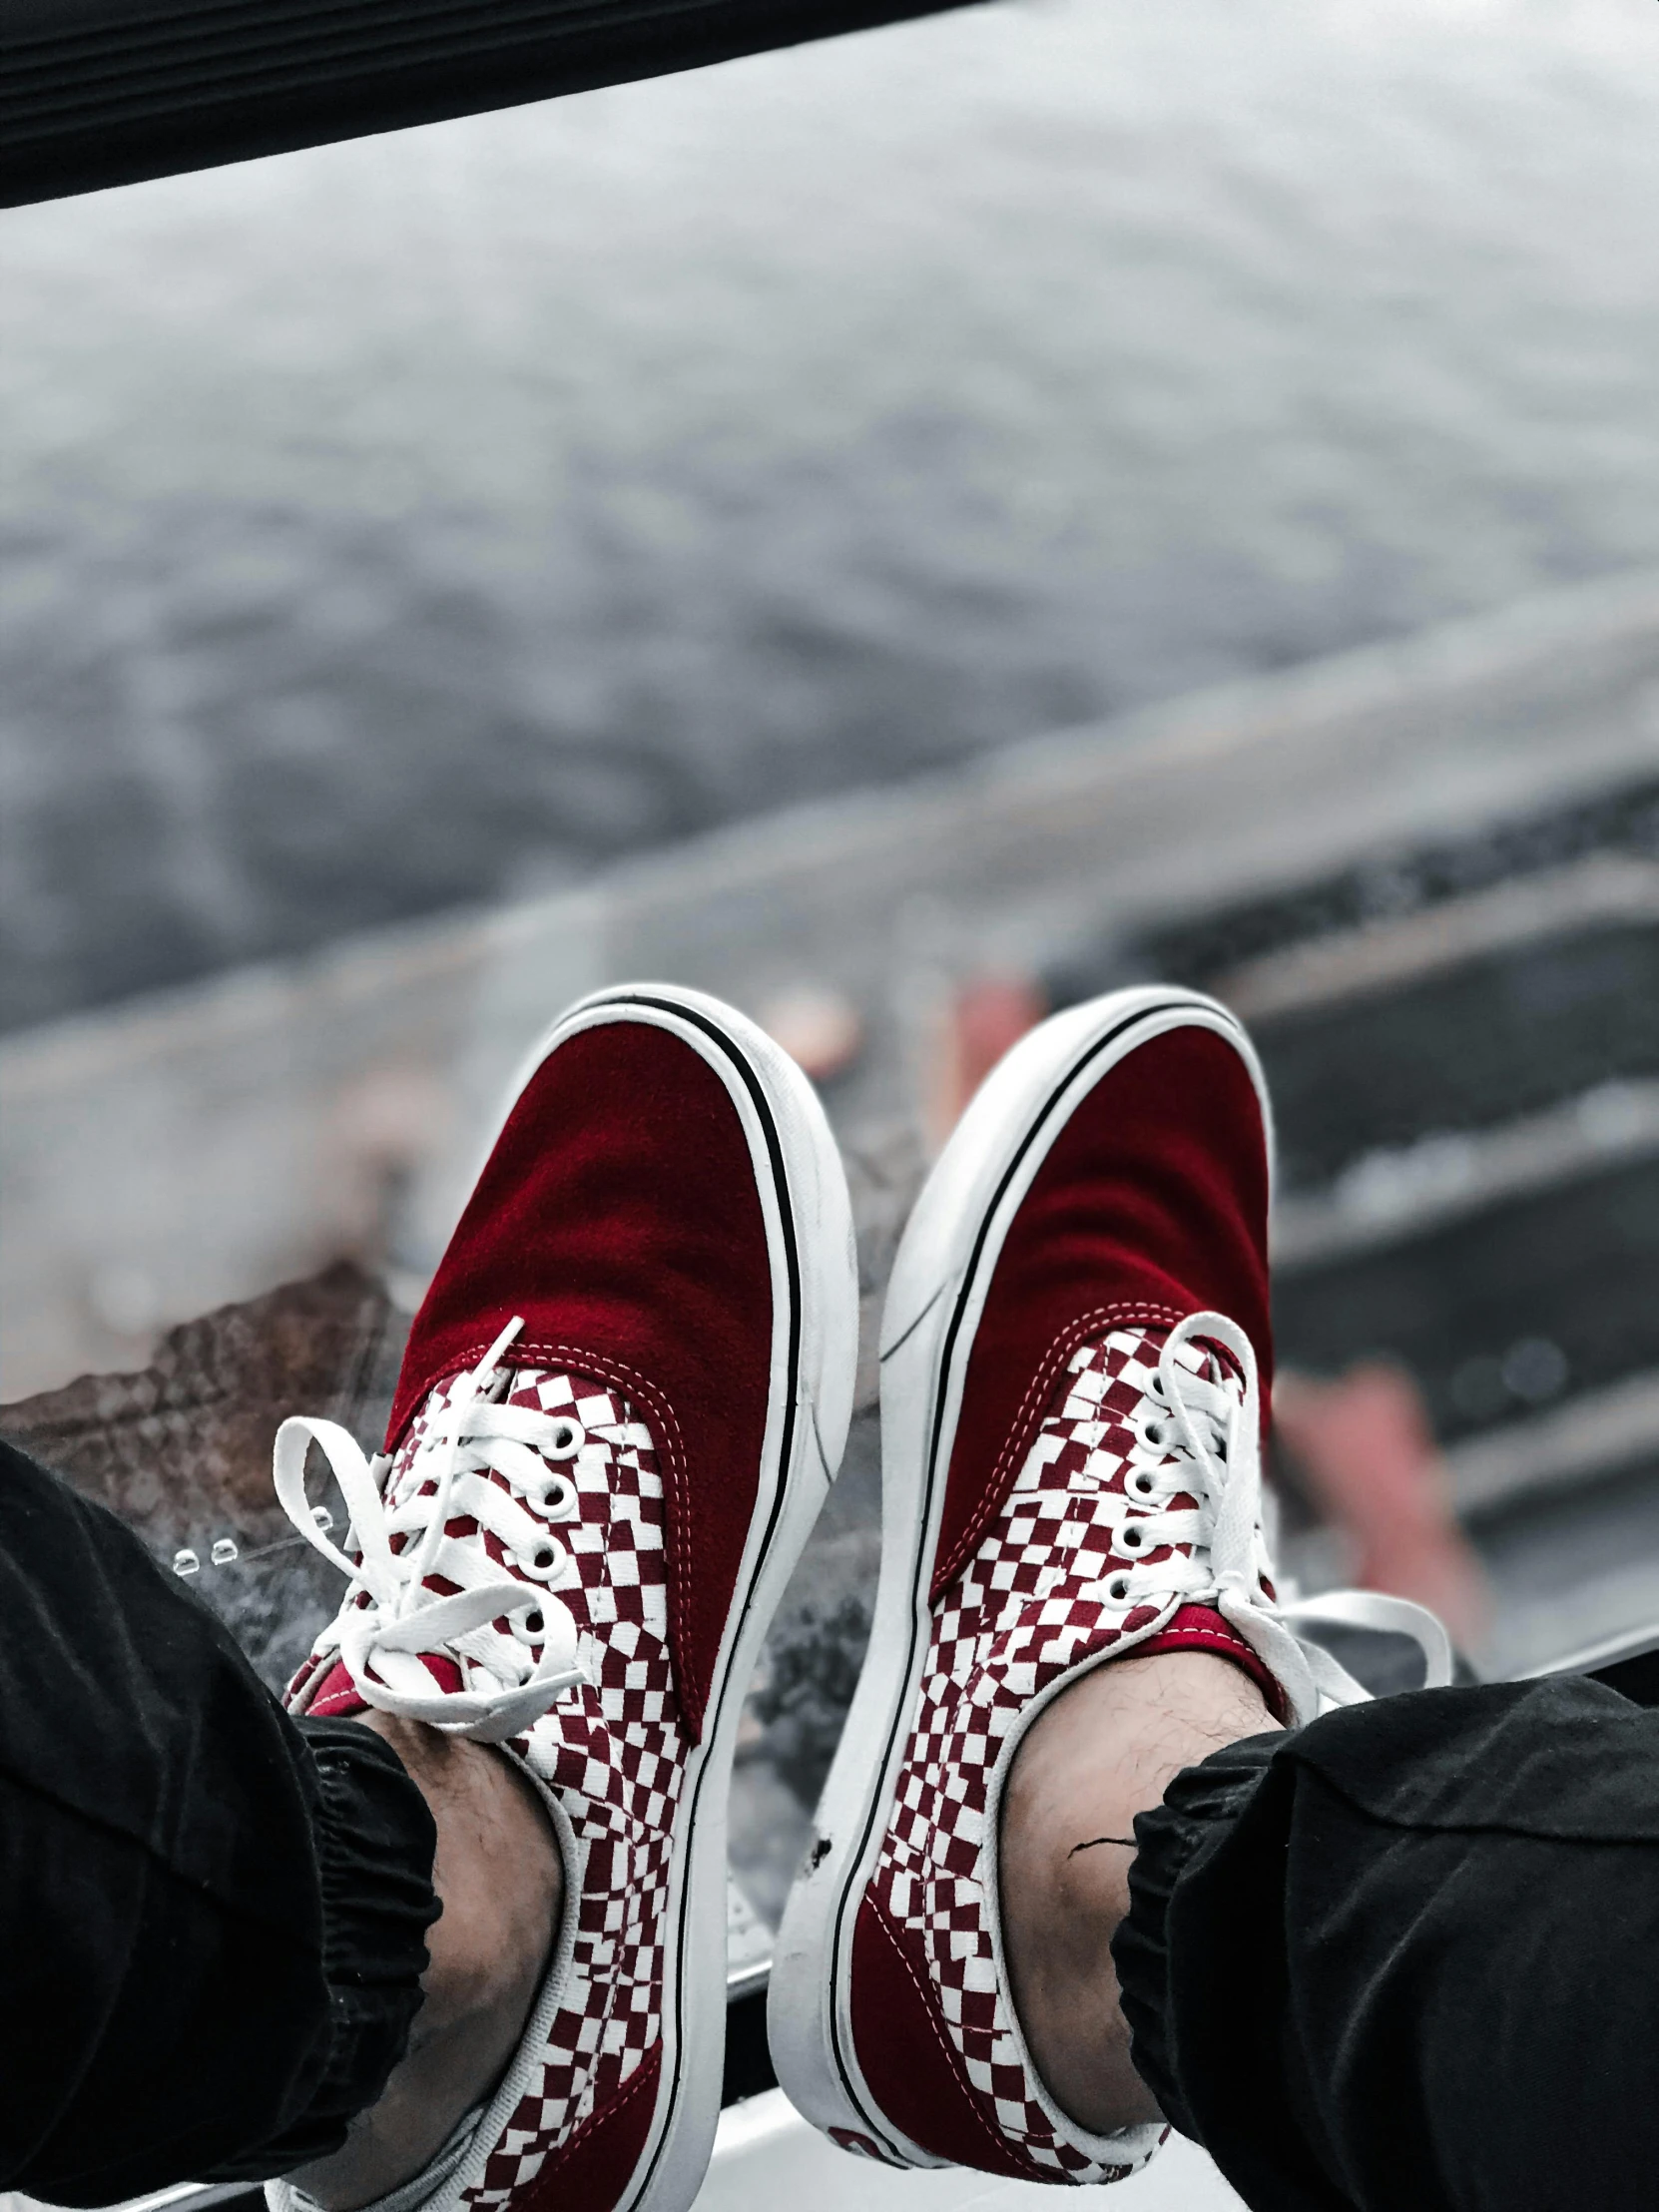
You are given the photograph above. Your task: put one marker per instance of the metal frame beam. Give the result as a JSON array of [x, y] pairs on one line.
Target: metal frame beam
[[94, 93]]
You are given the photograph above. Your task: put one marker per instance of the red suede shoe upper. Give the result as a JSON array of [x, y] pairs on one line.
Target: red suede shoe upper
[[601, 2160], [618, 1215], [1151, 1204], [903, 2044]]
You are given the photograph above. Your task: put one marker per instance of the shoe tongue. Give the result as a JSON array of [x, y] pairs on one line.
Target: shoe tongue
[[338, 1696]]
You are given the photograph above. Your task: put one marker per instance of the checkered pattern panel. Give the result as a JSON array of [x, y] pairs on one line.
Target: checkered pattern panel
[[1023, 1613], [612, 1752]]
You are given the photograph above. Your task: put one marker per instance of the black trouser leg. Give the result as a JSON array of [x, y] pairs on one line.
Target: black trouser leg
[[212, 1919], [1408, 1958]]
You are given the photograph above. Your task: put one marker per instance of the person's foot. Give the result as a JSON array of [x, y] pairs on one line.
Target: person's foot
[[1072, 1394], [621, 1404]]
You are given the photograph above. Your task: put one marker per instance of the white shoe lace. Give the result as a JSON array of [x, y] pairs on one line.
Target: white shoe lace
[[1202, 1438], [389, 1618]]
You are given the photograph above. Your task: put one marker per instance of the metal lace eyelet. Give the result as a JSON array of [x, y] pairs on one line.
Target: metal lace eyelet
[[1116, 1587], [1131, 1537], [541, 1561], [554, 1499], [1141, 1483], [568, 1439], [529, 1628]]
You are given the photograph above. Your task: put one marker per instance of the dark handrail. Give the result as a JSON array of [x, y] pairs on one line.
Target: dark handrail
[[108, 91]]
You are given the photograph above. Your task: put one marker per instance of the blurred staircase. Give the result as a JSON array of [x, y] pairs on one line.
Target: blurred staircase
[[1461, 1036]]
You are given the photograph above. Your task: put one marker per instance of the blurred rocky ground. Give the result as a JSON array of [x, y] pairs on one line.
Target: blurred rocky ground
[[409, 523], [181, 1448]]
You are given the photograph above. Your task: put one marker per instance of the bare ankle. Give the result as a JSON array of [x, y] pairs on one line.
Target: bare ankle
[[498, 1875], [1105, 1750]]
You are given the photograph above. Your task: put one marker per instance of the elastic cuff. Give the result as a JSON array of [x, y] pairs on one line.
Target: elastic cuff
[[1199, 1808], [375, 1842]]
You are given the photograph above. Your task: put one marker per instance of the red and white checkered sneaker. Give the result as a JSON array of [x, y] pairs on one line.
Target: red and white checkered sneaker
[[621, 1405], [1072, 1417]]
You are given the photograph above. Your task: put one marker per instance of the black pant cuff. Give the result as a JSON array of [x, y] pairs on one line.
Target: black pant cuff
[[375, 1842], [1199, 1808]]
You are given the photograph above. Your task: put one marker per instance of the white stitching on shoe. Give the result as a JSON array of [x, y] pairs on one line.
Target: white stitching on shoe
[[1126, 1314]]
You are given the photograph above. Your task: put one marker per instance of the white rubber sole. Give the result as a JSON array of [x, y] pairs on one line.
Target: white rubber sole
[[934, 1299], [808, 1218]]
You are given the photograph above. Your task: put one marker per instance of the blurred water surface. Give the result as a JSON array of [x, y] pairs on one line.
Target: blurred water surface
[[393, 525]]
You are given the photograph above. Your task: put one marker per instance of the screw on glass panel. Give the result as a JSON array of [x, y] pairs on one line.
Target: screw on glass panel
[[186, 1562], [1535, 1368], [223, 1551]]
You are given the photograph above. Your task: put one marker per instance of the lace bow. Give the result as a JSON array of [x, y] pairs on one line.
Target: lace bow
[[1199, 1436], [516, 1646]]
